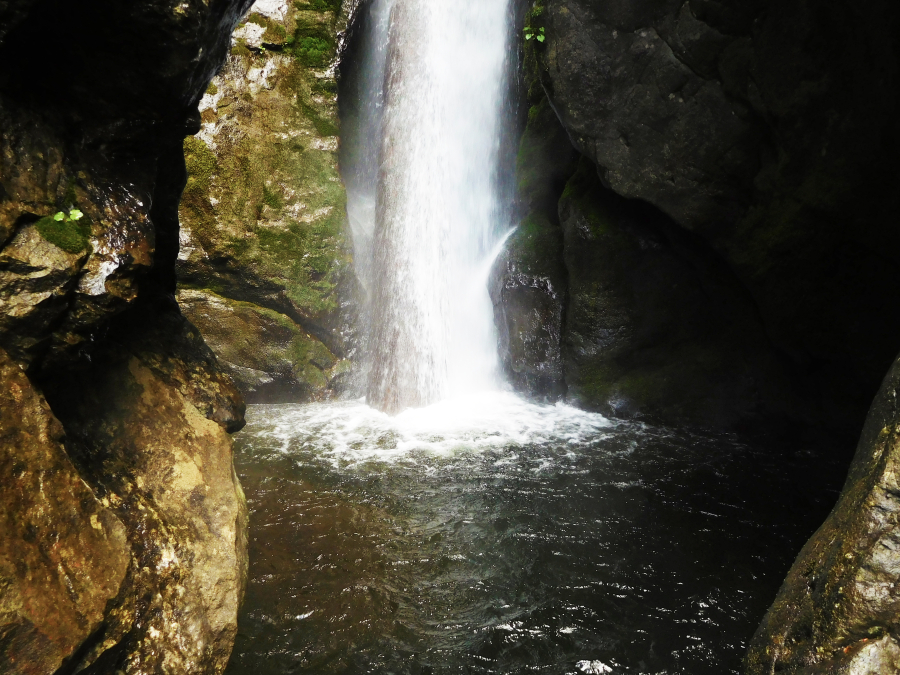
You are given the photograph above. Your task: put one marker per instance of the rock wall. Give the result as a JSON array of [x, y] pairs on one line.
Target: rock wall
[[764, 135], [730, 256], [123, 536], [265, 262], [838, 611]]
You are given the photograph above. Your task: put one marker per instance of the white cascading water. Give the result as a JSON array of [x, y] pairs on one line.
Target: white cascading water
[[425, 213]]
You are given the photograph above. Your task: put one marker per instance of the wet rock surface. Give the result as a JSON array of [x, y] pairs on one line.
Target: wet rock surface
[[528, 281], [528, 290], [764, 288], [123, 540], [269, 357], [264, 222], [837, 611], [654, 325], [63, 553], [143, 430]]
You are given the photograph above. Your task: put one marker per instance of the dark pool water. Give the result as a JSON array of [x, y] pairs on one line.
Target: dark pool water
[[579, 546]]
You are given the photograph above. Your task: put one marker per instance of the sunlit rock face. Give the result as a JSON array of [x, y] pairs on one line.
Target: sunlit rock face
[[63, 553], [265, 266], [123, 545]]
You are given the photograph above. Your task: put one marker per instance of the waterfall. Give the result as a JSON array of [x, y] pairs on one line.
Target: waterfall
[[423, 198]]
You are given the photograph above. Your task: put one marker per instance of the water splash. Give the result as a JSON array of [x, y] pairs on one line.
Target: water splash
[[425, 240]]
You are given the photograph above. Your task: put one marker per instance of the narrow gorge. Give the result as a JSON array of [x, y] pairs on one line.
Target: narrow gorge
[[410, 336]]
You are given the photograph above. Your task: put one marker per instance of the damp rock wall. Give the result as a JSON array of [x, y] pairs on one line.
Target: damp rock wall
[[122, 523], [758, 140], [265, 265], [728, 239]]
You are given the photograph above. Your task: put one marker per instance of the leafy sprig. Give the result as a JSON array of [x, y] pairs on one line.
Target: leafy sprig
[[73, 215], [535, 34]]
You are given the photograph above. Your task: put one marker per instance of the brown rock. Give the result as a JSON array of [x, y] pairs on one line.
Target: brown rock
[[63, 556], [838, 611], [139, 426]]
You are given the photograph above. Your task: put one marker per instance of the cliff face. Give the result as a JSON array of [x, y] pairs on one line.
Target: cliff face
[[729, 242], [764, 134], [265, 264], [123, 536]]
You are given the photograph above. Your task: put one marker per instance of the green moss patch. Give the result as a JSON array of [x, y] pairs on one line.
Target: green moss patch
[[70, 236]]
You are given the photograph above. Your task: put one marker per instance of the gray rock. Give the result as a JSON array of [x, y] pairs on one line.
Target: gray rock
[[767, 129], [528, 291], [653, 325]]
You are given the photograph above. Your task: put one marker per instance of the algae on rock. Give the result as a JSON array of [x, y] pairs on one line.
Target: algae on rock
[[264, 210]]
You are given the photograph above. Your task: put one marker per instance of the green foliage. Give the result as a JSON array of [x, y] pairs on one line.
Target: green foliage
[[312, 51], [71, 232], [200, 162], [319, 5], [272, 199], [323, 126], [535, 33]]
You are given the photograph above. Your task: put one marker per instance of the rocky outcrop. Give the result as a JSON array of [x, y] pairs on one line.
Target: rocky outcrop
[[279, 361], [123, 540], [837, 611], [63, 554], [528, 290], [528, 280], [264, 223], [653, 325], [731, 257], [147, 425], [768, 131]]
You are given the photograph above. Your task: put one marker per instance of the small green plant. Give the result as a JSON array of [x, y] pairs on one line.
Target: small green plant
[[535, 34], [271, 199], [74, 214], [64, 230]]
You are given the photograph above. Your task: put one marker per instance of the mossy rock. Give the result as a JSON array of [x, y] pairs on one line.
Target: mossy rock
[[72, 236], [545, 160], [270, 356], [654, 326]]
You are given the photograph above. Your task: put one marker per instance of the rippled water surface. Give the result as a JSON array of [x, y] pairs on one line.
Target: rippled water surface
[[493, 536]]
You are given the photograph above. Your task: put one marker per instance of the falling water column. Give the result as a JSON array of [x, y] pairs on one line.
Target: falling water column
[[437, 215]]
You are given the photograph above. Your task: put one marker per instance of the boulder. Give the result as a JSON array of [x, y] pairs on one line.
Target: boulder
[[269, 357], [838, 610], [768, 130], [64, 554], [528, 290], [148, 430]]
